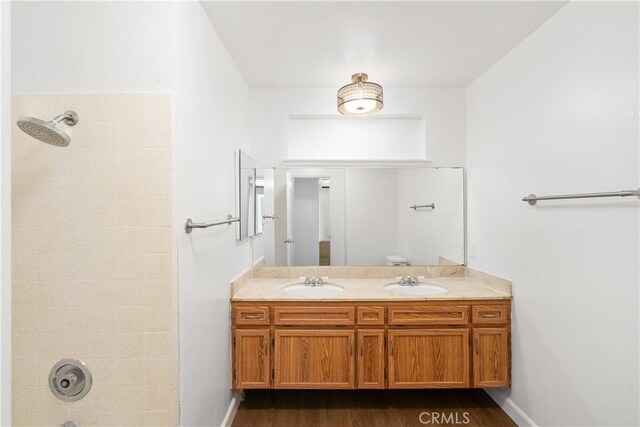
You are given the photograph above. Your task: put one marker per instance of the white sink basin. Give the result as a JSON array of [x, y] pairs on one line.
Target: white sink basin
[[421, 289], [326, 290]]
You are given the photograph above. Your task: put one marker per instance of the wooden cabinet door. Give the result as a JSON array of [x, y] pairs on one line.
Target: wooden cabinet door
[[426, 358], [251, 358], [314, 359], [491, 361], [371, 358]]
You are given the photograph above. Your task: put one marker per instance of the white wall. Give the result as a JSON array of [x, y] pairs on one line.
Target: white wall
[[559, 114], [5, 213], [212, 104], [426, 234], [94, 46], [336, 137], [371, 215], [443, 110]]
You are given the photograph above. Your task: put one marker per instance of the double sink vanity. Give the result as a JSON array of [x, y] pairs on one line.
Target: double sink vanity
[[370, 328]]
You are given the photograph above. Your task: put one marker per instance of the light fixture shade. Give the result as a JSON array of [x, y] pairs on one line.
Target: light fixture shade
[[360, 97]]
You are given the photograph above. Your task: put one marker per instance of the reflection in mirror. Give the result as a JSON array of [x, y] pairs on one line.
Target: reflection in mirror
[[246, 195], [367, 216], [259, 194]]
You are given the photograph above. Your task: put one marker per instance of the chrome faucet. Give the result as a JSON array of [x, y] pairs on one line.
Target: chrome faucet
[[408, 280], [314, 281]]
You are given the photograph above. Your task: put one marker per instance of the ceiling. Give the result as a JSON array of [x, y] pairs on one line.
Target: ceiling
[[399, 44]]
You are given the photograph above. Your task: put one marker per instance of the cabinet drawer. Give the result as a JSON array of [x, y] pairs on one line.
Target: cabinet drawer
[[320, 315], [428, 315], [370, 315], [489, 314], [251, 315]]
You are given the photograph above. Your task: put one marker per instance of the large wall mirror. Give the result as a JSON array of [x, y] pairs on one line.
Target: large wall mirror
[[361, 216]]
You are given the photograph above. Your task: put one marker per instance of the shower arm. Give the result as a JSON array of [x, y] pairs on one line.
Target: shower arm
[[69, 117]]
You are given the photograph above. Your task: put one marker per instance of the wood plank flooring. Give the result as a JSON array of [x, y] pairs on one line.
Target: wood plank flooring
[[369, 408]]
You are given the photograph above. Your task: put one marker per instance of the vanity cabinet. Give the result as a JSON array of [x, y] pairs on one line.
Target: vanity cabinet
[[310, 358], [252, 361], [491, 361], [371, 358], [429, 358], [371, 345]]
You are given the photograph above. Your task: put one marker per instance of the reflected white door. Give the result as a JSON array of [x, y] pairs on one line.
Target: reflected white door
[[305, 210]]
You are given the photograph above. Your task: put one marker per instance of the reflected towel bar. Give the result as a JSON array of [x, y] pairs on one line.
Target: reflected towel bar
[[532, 199], [416, 207], [189, 225]]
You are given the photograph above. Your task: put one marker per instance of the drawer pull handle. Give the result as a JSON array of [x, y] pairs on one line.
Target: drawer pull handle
[[489, 315], [250, 316]]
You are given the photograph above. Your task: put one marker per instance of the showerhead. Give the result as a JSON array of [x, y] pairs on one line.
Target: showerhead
[[48, 131]]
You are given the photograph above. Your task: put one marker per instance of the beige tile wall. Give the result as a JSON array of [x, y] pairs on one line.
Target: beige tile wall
[[94, 261]]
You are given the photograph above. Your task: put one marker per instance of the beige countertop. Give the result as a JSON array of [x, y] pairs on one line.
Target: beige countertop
[[371, 289]]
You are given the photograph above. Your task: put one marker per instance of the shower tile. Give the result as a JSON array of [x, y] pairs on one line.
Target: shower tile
[[94, 134], [161, 419], [25, 320], [143, 214], [144, 239], [29, 214], [159, 345], [32, 418], [144, 292], [33, 240], [143, 134], [142, 187], [157, 107], [93, 260], [90, 214], [158, 397], [143, 266], [158, 371], [25, 373], [158, 319], [24, 294], [31, 157], [32, 187], [91, 240], [128, 346], [53, 320], [77, 266], [76, 293], [88, 161], [91, 187], [130, 371], [131, 319], [96, 319], [25, 346], [47, 402], [144, 160]]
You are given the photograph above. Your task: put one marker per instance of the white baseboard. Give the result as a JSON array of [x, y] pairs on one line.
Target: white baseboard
[[509, 406], [233, 408]]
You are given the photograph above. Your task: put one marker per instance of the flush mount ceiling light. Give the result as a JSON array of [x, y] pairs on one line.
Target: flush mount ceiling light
[[360, 97]]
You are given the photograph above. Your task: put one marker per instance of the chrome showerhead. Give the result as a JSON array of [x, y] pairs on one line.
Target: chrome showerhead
[[48, 131]]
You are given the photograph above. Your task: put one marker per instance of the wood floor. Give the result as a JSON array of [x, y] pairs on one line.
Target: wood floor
[[369, 408]]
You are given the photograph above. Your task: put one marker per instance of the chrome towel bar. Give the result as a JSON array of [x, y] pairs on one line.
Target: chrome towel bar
[[532, 199], [416, 207], [189, 225]]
